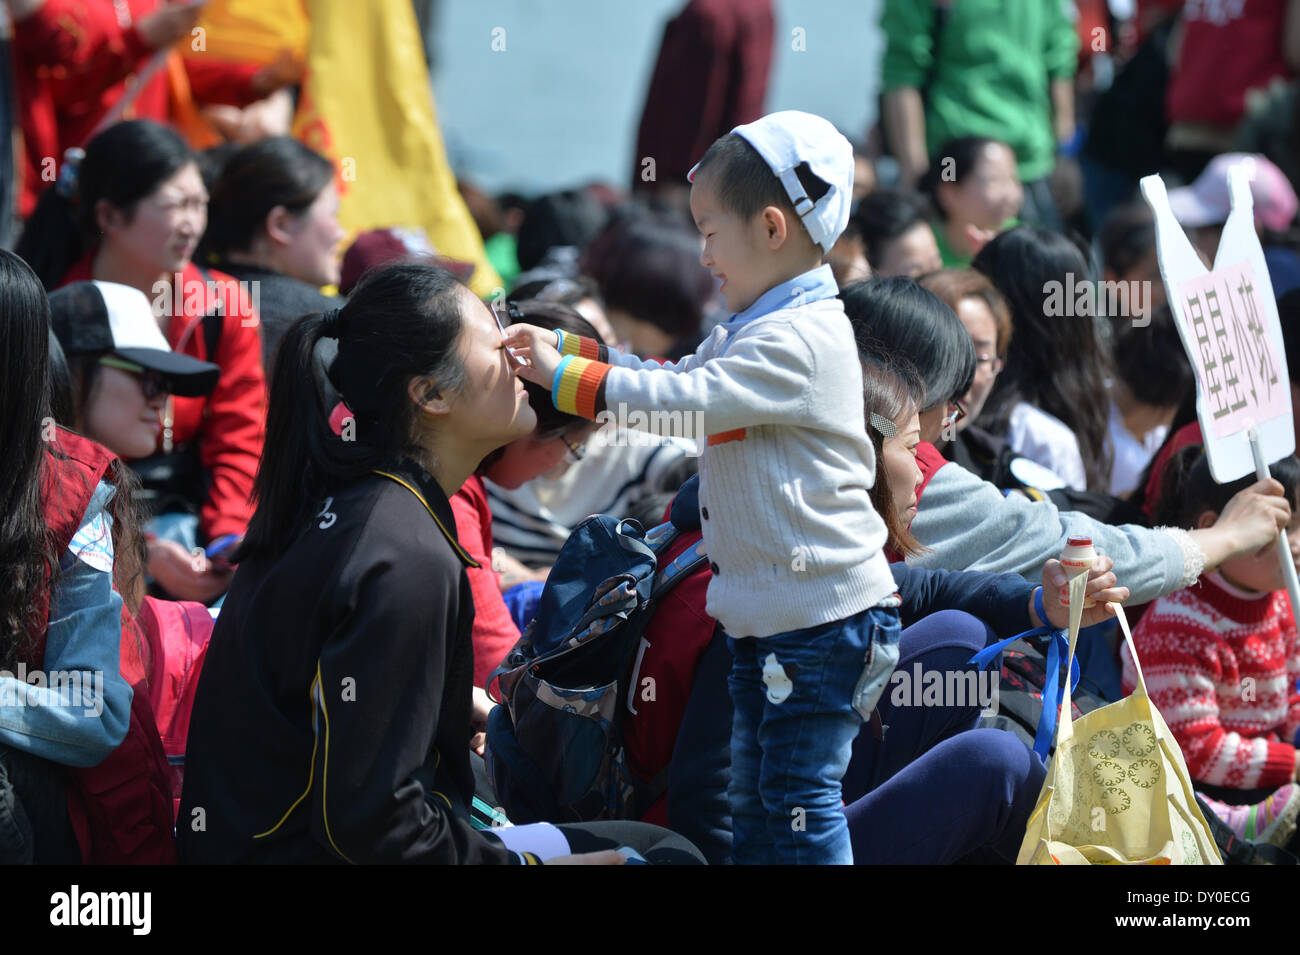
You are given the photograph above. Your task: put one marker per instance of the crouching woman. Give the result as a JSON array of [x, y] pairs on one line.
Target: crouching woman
[[332, 719]]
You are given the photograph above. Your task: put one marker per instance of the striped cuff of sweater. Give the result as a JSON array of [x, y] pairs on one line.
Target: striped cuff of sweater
[[577, 387], [579, 346]]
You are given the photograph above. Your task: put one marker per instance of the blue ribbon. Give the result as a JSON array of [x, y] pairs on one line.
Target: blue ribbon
[[1057, 649]]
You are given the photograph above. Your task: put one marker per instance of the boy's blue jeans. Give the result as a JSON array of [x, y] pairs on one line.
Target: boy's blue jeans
[[799, 700]]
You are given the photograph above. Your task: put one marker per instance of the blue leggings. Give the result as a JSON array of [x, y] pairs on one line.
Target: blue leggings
[[934, 789]]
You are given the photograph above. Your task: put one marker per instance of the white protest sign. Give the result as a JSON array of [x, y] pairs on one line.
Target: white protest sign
[[1228, 322]]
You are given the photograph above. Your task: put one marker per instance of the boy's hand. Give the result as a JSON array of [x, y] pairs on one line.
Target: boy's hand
[[536, 346], [1101, 588]]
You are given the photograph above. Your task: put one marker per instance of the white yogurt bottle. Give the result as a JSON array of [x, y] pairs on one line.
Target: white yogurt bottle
[[1077, 558]]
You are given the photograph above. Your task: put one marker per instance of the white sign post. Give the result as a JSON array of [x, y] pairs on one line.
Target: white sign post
[[1228, 322]]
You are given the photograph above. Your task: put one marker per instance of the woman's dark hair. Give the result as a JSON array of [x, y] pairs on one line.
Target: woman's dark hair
[[1187, 489], [651, 270], [401, 322], [1288, 313], [953, 285], [896, 318], [27, 558], [891, 388], [1056, 364], [1183, 416], [883, 217], [1127, 236], [566, 291], [123, 164], [1150, 359], [965, 153], [62, 404], [277, 171], [572, 217]]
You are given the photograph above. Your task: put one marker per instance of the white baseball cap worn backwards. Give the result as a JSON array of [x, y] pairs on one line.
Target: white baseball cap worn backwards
[[791, 137]]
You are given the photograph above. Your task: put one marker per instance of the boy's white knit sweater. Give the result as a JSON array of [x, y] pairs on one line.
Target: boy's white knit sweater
[[793, 540]]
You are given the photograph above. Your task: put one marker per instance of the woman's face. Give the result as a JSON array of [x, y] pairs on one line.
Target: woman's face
[[911, 255], [118, 415], [526, 458], [312, 253], [991, 192], [976, 315], [492, 407], [167, 224], [902, 473]]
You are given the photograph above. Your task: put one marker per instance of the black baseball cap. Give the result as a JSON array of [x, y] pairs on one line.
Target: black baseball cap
[[108, 318]]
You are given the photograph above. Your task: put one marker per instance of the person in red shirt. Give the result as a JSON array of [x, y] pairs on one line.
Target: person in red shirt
[[139, 207], [76, 60], [1226, 50]]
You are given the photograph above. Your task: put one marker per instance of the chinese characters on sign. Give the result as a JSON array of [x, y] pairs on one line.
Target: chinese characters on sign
[[1234, 356]]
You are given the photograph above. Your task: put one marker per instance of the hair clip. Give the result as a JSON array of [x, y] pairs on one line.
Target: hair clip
[[67, 184], [884, 425]]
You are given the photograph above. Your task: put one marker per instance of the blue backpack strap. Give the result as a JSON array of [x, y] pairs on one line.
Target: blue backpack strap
[[1057, 650], [680, 567]]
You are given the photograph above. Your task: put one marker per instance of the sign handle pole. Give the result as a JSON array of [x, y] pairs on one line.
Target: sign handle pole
[[1283, 548]]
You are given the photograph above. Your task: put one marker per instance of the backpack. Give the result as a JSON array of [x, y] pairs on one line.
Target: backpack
[[555, 748]]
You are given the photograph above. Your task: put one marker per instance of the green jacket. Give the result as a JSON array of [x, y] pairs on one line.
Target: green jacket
[[991, 77]]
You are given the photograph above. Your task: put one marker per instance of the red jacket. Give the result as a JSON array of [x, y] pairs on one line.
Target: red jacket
[[494, 630], [230, 423], [1227, 50], [710, 76], [121, 809], [674, 640], [72, 60], [929, 460]]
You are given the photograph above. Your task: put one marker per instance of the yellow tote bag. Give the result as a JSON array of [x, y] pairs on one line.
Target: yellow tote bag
[[1117, 790]]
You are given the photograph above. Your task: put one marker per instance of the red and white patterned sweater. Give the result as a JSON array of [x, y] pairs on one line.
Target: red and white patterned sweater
[[1221, 666]]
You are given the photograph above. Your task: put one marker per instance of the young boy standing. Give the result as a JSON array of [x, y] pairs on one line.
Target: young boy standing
[[800, 582]]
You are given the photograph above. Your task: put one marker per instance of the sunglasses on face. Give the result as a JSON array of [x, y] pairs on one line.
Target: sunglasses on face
[[151, 382]]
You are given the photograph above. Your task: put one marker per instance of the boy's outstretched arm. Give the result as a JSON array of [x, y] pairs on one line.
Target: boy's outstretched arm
[[767, 377], [521, 338]]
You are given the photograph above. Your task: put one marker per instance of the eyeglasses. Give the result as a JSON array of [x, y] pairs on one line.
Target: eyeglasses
[[512, 312], [956, 413], [151, 382], [994, 362], [577, 450]]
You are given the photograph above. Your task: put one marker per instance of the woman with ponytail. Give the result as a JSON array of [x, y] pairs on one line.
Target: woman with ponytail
[[131, 212], [333, 717]]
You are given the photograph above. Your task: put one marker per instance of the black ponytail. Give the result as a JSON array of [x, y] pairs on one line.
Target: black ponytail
[[1188, 489], [123, 164], [400, 322]]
